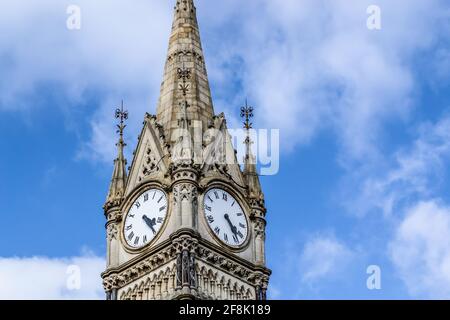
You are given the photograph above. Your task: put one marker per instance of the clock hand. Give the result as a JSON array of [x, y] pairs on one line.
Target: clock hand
[[150, 222], [233, 228]]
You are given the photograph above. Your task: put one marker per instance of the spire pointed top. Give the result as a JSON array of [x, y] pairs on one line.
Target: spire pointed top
[[250, 172], [185, 69], [185, 9], [185, 6], [119, 178]]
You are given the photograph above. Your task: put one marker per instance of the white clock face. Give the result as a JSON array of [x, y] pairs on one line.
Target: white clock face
[[145, 218], [225, 217]]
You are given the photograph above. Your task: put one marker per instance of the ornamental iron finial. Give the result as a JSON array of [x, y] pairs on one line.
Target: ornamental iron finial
[[122, 115], [247, 114]]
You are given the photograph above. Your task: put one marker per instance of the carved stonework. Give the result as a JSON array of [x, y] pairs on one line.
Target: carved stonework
[[261, 282], [112, 231], [224, 263], [186, 274], [158, 284], [185, 243], [159, 130], [178, 54], [260, 228], [184, 191], [150, 165], [145, 266], [213, 284]]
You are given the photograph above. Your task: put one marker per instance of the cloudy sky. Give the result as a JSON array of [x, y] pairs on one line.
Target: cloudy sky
[[365, 135]]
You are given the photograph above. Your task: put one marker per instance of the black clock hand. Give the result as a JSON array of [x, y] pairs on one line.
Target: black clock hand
[[233, 228], [150, 222]]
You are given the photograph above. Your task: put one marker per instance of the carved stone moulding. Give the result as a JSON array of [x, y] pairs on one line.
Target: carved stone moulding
[[155, 285], [187, 173]]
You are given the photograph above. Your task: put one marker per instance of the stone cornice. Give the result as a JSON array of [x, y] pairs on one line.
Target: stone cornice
[[166, 252]]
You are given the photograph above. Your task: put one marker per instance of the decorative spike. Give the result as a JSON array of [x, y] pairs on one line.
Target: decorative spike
[[250, 172], [119, 177]]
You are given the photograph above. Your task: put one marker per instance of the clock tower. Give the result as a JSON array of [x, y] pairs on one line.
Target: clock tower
[[185, 221]]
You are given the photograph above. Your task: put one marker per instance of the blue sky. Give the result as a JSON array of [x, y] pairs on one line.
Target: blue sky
[[364, 119]]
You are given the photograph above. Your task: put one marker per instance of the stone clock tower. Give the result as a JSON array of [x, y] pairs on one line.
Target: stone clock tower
[[185, 222]]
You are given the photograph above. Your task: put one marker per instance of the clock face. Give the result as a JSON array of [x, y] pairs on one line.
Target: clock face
[[225, 217], [145, 218]]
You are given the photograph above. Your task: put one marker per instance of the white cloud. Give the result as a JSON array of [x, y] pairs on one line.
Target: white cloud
[[118, 54], [323, 257], [421, 250], [38, 278], [309, 65], [415, 172], [306, 65]]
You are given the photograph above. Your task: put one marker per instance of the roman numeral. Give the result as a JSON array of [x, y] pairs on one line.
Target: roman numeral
[[210, 199], [162, 208], [127, 228], [240, 214], [225, 197], [154, 194], [160, 220], [144, 240], [242, 225], [233, 203], [240, 235], [207, 208], [216, 194], [146, 197], [137, 204], [235, 238], [131, 236], [131, 215], [136, 241], [210, 219], [217, 230], [225, 237], [160, 199]]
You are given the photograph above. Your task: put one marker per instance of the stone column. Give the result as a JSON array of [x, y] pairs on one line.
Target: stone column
[[185, 191], [260, 238], [112, 248], [186, 275]]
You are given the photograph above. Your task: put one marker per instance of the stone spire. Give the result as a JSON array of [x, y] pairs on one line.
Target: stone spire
[[250, 172], [185, 56], [119, 177]]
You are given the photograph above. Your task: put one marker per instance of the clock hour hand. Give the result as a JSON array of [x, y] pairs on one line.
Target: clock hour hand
[[150, 222], [233, 228]]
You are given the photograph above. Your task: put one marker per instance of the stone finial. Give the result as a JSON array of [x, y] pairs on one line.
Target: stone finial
[[250, 172], [119, 177]]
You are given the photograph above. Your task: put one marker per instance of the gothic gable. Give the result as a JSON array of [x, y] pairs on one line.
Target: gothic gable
[[151, 156]]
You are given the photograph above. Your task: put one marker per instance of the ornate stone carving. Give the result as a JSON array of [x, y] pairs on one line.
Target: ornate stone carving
[[185, 243], [186, 275], [192, 273], [186, 52], [150, 165], [261, 282], [184, 191], [145, 266], [224, 263], [112, 231], [159, 130], [260, 228]]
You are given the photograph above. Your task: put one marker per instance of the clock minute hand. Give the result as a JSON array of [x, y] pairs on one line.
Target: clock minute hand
[[149, 222], [233, 228]]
